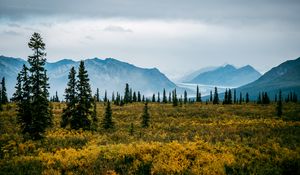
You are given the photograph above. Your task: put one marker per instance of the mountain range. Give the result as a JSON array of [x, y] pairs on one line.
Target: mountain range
[[108, 74], [227, 76], [284, 77]]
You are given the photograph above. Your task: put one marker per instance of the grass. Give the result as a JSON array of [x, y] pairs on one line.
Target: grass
[[188, 139]]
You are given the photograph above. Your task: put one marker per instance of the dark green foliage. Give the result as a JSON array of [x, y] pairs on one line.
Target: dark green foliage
[[211, 97], [107, 122], [170, 98], [247, 98], [216, 97], [145, 117], [279, 105], [158, 97], [134, 97], [153, 98], [71, 99], [113, 97], [227, 97], [174, 98], [127, 94], [34, 112], [82, 116], [97, 95], [3, 99], [105, 97], [139, 97], [165, 97], [185, 97], [198, 95], [263, 98]]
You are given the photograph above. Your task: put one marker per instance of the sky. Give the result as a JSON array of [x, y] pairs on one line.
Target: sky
[[177, 37]]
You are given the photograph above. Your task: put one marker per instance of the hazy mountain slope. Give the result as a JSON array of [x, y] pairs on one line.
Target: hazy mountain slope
[[190, 76], [227, 76], [286, 77], [109, 74]]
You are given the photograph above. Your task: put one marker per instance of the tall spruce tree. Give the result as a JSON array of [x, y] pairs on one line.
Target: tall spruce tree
[[107, 122], [229, 97], [134, 97], [211, 97], [174, 98], [39, 106], [158, 97], [139, 97], [165, 96], [4, 98], [185, 99], [225, 101], [97, 95], [153, 98], [105, 96], [127, 94], [216, 97], [247, 98], [82, 117], [71, 99], [145, 116], [197, 94], [279, 105]]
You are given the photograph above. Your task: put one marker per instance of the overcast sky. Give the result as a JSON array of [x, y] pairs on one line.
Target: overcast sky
[[175, 36]]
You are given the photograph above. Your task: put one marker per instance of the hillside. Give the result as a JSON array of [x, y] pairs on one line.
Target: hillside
[[285, 76], [227, 75]]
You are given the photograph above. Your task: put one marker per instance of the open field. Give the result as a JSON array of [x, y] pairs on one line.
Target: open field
[[188, 139]]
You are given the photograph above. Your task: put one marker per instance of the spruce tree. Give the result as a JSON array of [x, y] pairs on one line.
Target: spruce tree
[[113, 96], [158, 97], [139, 97], [279, 105], [170, 99], [134, 98], [97, 95], [17, 96], [24, 103], [107, 122], [197, 94], [234, 96], [216, 97], [174, 98], [247, 98], [259, 100], [164, 96], [225, 101], [145, 117], [4, 98], [82, 117], [71, 99], [105, 96], [185, 97], [127, 94], [211, 97], [153, 98]]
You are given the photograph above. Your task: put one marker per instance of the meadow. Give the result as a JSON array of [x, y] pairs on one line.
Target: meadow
[[194, 138]]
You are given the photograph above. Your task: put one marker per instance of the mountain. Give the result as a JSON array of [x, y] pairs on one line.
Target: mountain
[[194, 74], [286, 77], [228, 76], [108, 74]]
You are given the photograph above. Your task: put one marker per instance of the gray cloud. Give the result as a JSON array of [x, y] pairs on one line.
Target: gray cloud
[[113, 28]]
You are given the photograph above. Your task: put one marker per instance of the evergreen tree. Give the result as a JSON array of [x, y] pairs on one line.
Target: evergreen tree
[[247, 98], [34, 112], [145, 117], [107, 122], [216, 97], [134, 98], [225, 101], [158, 97], [153, 98], [24, 104], [211, 97], [279, 105], [165, 97], [17, 96], [97, 95], [105, 96], [174, 98], [127, 94], [197, 94], [82, 118], [71, 99], [143, 99], [94, 113], [56, 97], [139, 97], [185, 97], [259, 100], [113, 96], [4, 98], [229, 100], [170, 98]]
